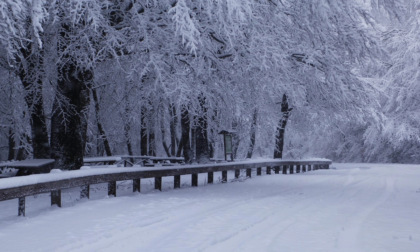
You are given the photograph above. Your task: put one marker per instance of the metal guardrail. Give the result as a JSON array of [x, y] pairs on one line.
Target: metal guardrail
[[84, 181]]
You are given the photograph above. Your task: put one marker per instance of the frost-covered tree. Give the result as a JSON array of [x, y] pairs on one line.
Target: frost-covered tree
[[22, 36], [166, 76], [397, 130]]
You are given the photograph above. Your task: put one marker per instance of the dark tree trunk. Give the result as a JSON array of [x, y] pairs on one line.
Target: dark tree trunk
[[285, 110], [165, 145], [193, 143], [163, 132], [31, 74], [235, 140], [12, 145], [151, 144], [201, 139], [180, 147], [213, 132], [143, 132], [172, 126], [69, 116], [127, 137], [252, 134], [127, 125], [185, 135], [101, 130], [22, 153]]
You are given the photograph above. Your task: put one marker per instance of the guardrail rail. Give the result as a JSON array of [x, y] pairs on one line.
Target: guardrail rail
[[82, 178]]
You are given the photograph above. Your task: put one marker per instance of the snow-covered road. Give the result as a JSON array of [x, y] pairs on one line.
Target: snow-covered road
[[352, 207]]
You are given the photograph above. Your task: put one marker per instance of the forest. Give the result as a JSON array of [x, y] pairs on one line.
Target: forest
[[142, 77]]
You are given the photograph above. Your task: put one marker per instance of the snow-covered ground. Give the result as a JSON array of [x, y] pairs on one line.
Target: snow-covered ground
[[351, 207]]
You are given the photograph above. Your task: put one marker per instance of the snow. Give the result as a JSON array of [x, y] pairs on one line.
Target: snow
[[351, 207]]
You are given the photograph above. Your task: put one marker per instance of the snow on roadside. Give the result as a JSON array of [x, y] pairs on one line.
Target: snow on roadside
[[352, 207]]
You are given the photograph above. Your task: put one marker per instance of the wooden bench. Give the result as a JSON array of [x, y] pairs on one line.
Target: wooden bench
[[31, 166]]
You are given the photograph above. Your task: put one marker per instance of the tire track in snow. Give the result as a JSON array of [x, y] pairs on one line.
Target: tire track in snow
[[276, 223], [189, 223], [271, 231], [349, 237], [160, 225]]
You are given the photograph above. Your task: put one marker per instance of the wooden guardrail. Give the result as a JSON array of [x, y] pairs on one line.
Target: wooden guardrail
[[19, 187]]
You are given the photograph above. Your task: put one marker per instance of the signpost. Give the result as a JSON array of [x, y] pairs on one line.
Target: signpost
[[227, 140]]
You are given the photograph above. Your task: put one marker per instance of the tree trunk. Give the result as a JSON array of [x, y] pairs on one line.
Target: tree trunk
[[252, 134], [101, 130], [12, 145], [143, 132], [22, 153], [151, 143], [127, 137], [235, 140], [31, 74], [193, 144], [165, 145], [201, 139], [285, 110], [127, 124], [213, 132], [185, 135], [69, 116], [172, 126]]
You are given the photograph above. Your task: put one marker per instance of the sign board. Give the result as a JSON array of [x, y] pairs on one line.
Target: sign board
[[227, 140], [228, 144]]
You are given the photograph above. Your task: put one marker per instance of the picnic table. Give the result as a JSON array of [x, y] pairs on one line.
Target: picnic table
[[30, 166], [109, 160], [130, 160], [150, 160], [168, 159]]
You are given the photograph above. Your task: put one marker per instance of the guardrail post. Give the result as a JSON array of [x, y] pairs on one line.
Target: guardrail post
[[136, 185], [248, 172], [177, 181], [268, 169], [21, 207], [224, 176], [276, 169], [112, 188], [84, 192], [284, 169], [259, 171], [194, 179], [291, 167], [303, 168], [210, 177], [56, 198], [158, 183], [237, 173]]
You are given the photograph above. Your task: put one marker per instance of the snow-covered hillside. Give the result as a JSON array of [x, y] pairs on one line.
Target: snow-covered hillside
[[351, 207]]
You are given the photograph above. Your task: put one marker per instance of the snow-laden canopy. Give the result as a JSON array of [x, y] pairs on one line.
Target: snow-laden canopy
[[140, 67]]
